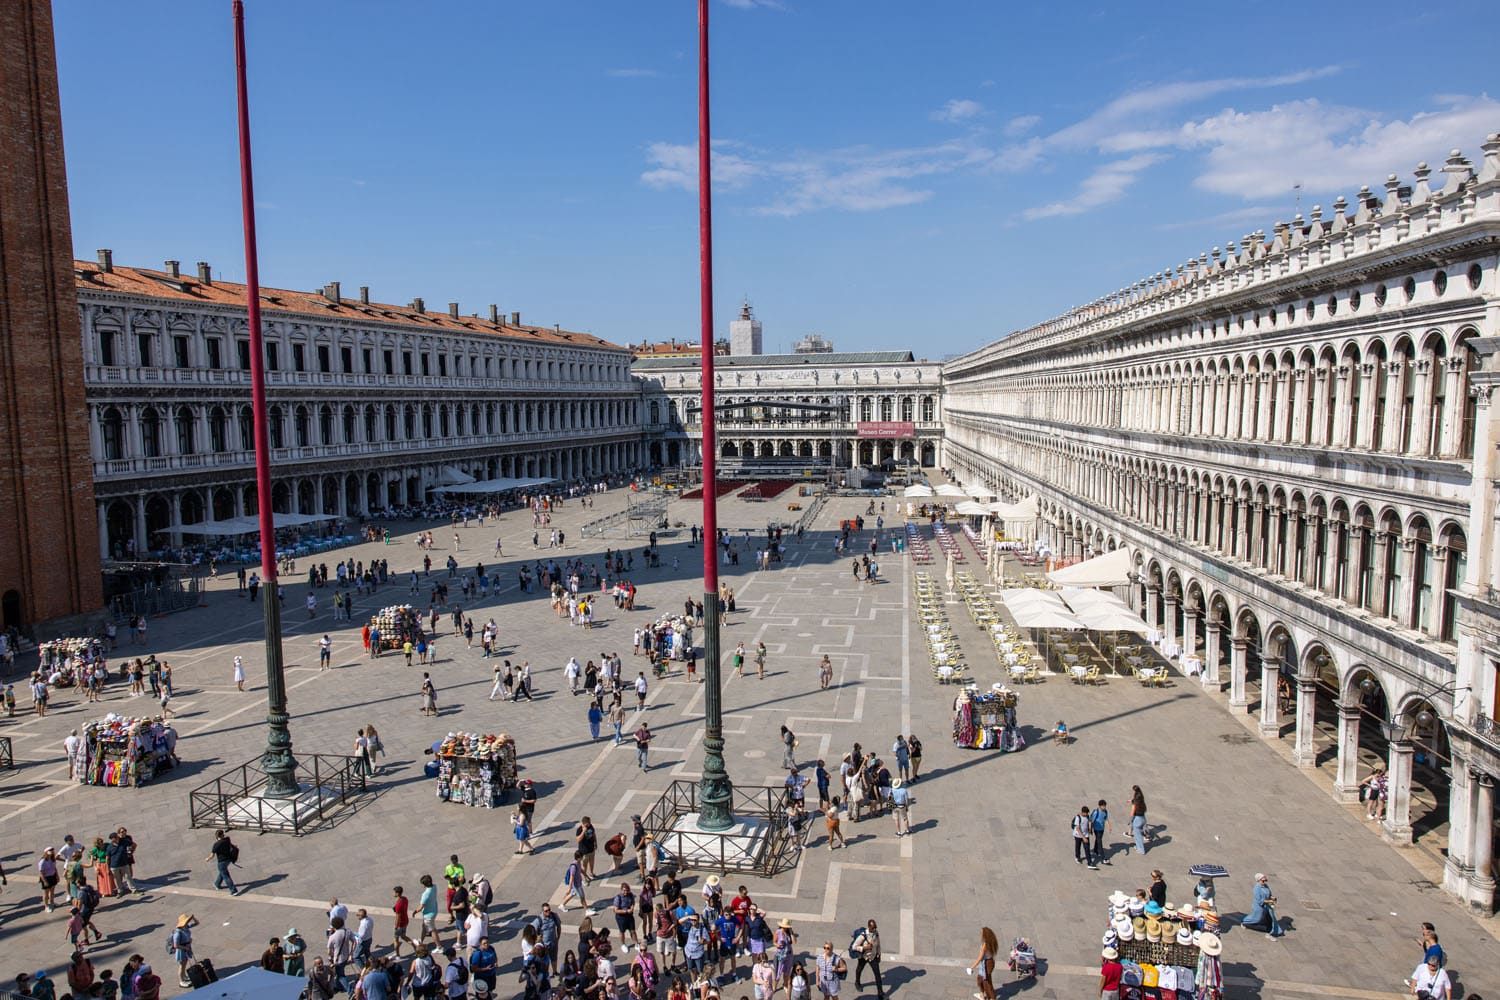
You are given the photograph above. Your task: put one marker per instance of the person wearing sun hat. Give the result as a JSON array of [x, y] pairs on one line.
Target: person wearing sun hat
[[1110, 971]]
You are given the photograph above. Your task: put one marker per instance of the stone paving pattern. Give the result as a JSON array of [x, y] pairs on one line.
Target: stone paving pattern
[[991, 844]]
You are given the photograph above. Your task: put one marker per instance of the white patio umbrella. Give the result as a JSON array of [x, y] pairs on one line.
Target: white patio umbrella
[[918, 491], [972, 509]]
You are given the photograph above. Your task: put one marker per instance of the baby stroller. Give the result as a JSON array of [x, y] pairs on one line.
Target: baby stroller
[[1022, 958]]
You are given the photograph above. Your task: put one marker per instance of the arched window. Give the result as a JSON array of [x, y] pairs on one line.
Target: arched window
[[151, 432], [325, 424], [929, 409], [1464, 353], [390, 423], [866, 409], [301, 426], [886, 408], [218, 430], [1454, 555], [370, 423], [1390, 597], [1437, 395], [410, 420], [247, 429], [278, 431], [907, 410], [350, 422], [112, 429]]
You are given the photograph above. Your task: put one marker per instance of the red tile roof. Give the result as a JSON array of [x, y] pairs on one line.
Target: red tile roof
[[187, 288]]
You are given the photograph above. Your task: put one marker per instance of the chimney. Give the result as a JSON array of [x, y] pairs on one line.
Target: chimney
[[494, 314], [453, 309], [174, 268], [205, 274], [107, 261], [364, 294], [331, 292], [515, 319], [419, 305]]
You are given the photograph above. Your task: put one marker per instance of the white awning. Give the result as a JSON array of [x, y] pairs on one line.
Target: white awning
[[493, 485], [253, 983], [919, 491], [1109, 570], [950, 490], [1025, 510], [969, 507], [1103, 611], [1033, 608], [454, 477], [249, 524]]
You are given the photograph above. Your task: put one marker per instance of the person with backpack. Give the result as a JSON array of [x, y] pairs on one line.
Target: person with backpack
[[88, 901], [180, 947], [865, 947], [573, 882], [224, 853], [1083, 829], [423, 974], [341, 945], [455, 975]]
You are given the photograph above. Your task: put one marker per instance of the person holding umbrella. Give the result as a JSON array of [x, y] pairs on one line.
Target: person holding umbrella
[[1204, 890], [1263, 914]]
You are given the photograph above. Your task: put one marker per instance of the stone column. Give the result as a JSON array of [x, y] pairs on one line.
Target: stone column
[[1421, 412], [1390, 423], [1212, 634], [1190, 629], [1397, 826], [1378, 602], [1405, 596], [1310, 537], [1346, 781], [1453, 405], [102, 513], [1237, 667], [1305, 750], [1481, 856], [1362, 436], [1355, 567], [1270, 705], [1153, 606], [1169, 628], [140, 525]]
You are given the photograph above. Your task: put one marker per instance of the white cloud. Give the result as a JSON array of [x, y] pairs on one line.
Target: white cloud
[[1104, 185], [1251, 213], [676, 166], [958, 110], [1021, 124], [1327, 148], [631, 72]]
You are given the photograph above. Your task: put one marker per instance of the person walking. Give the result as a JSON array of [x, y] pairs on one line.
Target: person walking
[[1099, 823], [617, 718], [739, 660], [866, 949], [642, 746], [239, 673], [1262, 915], [595, 717], [760, 660], [914, 748], [325, 652], [182, 947], [831, 969], [825, 672], [224, 853], [640, 691], [429, 695], [902, 753], [901, 801], [831, 816], [1429, 981], [789, 741], [573, 882], [587, 839], [401, 910], [1082, 835], [427, 910], [1138, 818], [983, 969]]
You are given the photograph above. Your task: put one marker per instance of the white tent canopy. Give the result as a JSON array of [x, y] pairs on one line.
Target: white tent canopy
[[1109, 570], [1025, 510], [253, 983], [454, 477], [918, 491], [494, 485], [950, 490], [250, 524], [969, 507], [1039, 609], [1103, 611]]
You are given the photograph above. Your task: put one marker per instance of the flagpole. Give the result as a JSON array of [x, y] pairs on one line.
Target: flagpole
[[715, 791], [277, 762]]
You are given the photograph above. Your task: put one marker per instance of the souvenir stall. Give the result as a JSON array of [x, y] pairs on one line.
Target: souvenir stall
[[671, 637], [1173, 950], [397, 623], [475, 770], [987, 720], [63, 659], [122, 752]]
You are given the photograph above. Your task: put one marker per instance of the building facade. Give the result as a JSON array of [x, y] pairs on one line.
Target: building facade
[[49, 557], [370, 405], [1294, 436], [830, 410]]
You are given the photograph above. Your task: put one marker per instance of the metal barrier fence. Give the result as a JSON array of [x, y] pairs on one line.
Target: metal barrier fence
[[158, 599], [767, 852], [329, 783], [805, 521]]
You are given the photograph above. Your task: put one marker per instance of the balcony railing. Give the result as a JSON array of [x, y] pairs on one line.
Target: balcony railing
[[115, 375]]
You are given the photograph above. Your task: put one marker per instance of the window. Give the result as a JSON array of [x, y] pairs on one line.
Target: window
[[107, 347], [273, 357], [406, 362], [1440, 282], [390, 364], [348, 424], [368, 358], [278, 434], [346, 358], [1379, 296], [218, 428], [215, 352], [443, 365], [1476, 274], [184, 420], [325, 425], [247, 429], [143, 345], [112, 428], [151, 433], [243, 349], [426, 364], [1409, 288], [906, 408], [325, 362], [180, 352], [299, 358], [300, 426]]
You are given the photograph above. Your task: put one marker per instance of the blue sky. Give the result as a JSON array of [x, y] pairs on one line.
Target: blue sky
[[891, 175]]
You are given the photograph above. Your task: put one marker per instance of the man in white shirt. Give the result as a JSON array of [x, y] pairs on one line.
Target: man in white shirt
[[337, 911], [1430, 980], [571, 671], [70, 848], [364, 937], [476, 928]]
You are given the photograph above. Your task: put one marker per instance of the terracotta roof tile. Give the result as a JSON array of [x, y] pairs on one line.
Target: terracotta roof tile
[[187, 288]]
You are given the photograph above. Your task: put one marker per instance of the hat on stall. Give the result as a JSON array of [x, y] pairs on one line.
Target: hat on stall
[[1110, 938], [1153, 930], [1139, 926], [1118, 898], [1153, 909], [1187, 913], [1110, 954], [1185, 936], [1124, 930], [1210, 945]]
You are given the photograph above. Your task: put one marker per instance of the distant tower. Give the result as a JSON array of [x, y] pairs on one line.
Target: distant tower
[[744, 333]]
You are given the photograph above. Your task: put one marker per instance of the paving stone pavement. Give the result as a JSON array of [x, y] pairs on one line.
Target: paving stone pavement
[[991, 842]]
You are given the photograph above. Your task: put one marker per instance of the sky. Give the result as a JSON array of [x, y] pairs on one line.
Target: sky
[[890, 175]]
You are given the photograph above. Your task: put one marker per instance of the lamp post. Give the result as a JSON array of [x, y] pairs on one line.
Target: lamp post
[[278, 763], [715, 790]]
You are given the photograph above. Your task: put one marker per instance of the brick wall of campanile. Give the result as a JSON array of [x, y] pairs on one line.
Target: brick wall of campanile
[[49, 540]]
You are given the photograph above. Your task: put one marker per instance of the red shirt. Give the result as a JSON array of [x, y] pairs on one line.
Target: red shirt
[[401, 907], [740, 906], [1112, 971]]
